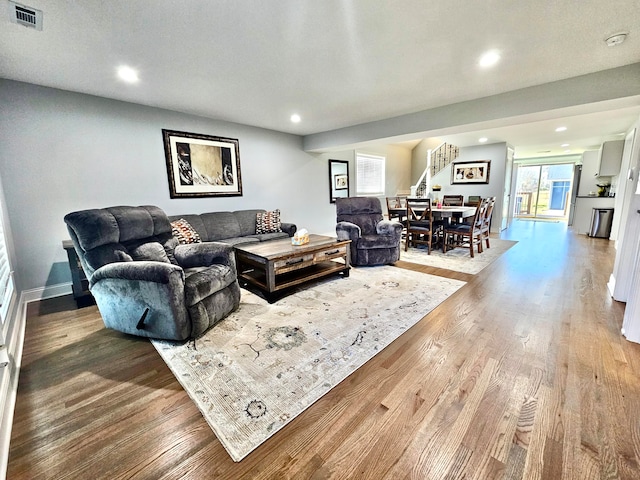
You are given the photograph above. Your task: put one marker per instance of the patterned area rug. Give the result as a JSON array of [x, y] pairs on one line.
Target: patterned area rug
[[265, 364], [457, 259]]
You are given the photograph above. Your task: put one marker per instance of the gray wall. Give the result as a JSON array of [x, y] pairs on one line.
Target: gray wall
[[497, 153], [66, 151]]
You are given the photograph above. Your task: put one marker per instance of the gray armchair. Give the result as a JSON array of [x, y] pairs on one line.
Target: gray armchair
[[374, 241], [144, 282]]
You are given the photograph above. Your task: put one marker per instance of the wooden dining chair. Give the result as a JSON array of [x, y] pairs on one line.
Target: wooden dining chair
[[396, 208], [419, 224], [466, 235], [452, 200], [485, 229], [473, 200]]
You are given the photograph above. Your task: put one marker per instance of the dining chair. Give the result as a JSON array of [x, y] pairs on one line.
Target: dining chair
[[485, 229], [452, 200], [420, 227], [397, 207], [474, 200], [466, 235]]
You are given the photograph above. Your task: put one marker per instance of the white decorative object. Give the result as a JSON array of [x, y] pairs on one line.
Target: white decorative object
[[301, 237]]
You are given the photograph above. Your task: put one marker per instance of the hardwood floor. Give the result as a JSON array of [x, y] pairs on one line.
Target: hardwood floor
[[522, 374]]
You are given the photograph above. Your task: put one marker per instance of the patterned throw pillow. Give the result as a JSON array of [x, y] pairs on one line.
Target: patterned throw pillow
[[268, 222], [184, 232]]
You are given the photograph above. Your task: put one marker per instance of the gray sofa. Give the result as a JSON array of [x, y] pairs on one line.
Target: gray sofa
[[232, 228], [144, 282]]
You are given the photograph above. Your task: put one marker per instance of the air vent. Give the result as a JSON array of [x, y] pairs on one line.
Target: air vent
[[27, 16]]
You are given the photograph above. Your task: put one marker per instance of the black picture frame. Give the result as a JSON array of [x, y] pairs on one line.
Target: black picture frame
[[338, 179], [201, 165], [470, 173]]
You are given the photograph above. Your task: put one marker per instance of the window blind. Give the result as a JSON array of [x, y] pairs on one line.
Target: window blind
[[370, 174], [6, 284]]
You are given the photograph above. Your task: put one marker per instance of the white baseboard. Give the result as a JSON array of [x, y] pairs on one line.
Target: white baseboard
[[14, 337], [43, 293], [611, 285]]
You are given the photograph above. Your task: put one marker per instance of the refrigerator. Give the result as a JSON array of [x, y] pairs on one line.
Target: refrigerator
[[577, 171]]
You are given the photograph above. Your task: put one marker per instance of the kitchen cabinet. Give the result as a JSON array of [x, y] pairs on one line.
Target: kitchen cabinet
[[610, 154], [584, 210]]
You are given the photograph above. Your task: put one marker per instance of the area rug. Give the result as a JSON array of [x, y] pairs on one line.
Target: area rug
[[457, 259], [263, 365]]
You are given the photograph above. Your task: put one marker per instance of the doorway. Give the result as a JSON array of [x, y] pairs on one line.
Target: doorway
[[544, 191]]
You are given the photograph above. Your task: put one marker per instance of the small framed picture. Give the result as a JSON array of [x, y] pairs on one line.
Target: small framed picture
[[340, 182], [470, 172]]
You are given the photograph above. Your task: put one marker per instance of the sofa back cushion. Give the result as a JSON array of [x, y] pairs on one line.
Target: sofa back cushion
[[366, 212], [247, 221], [106, 235], [220, 225]]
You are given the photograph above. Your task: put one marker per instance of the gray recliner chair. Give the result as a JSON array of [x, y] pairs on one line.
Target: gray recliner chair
[[144, 282], [374, 241]]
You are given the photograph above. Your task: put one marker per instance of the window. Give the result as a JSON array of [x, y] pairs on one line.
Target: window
[[6, 277], [369, 174]]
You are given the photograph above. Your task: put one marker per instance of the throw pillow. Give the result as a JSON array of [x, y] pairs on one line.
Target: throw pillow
[[184, 232], [150, 251], [268, 222]]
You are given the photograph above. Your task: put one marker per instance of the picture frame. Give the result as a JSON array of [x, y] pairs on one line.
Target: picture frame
[[341, 182], [338, 179], [202, 165], [474, 172]]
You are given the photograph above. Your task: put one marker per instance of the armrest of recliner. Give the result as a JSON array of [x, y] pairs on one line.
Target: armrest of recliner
[[348, 231], [205, 254], [389, 227], [157, 272]]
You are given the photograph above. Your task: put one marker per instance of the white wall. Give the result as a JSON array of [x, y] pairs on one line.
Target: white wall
[[66, 151]]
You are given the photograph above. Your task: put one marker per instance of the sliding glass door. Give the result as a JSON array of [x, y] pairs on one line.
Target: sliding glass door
[[544, 191]]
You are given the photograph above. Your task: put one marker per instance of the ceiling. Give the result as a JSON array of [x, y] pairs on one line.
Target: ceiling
[[336, 63]]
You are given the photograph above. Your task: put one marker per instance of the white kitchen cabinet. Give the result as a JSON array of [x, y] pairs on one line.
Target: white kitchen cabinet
[[610, 158]]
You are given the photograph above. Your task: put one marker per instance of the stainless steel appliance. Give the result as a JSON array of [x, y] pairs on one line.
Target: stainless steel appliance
[[601, 220]]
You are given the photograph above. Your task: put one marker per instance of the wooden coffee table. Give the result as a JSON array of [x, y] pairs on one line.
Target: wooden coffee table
[[275, 265]]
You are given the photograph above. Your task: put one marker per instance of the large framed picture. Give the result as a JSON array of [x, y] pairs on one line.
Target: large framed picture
[[202, 165], [470, 172]]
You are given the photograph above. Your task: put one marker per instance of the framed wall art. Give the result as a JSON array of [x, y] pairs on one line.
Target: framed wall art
[[470, 172], [202, 165], [341, 182], [338, 179]]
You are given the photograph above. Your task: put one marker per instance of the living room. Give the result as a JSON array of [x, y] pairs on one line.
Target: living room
[[70, 150]]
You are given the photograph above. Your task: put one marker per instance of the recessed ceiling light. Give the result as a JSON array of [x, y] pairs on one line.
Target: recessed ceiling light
[[127, 74], [567, 151], [295, 118], [561, 129], [616, 39], [489, 58], [483, 139], [564, 145]]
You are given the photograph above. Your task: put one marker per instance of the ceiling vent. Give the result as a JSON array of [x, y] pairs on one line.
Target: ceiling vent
[[27, 16]]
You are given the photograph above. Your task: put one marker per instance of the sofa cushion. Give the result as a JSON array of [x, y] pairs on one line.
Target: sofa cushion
[[240, 240], [247, 221], [184, 232], [200, 282], [268, 222], [377, 241], [220, 225], [263, 237], [150, 251]]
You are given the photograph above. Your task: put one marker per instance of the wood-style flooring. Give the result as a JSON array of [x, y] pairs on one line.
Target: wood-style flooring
[[522, 374]]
